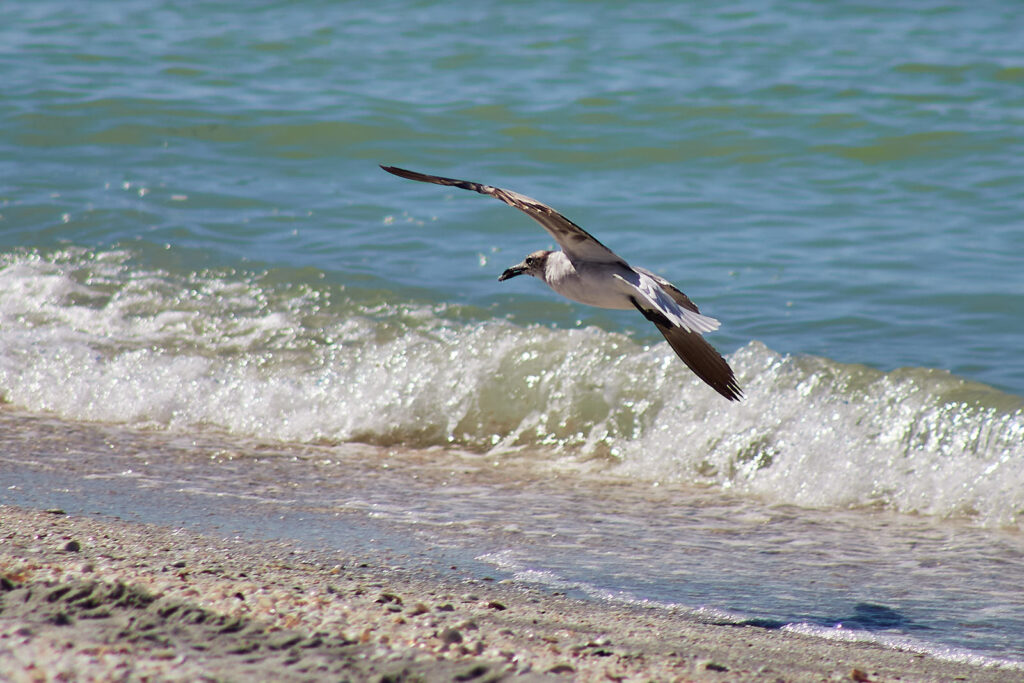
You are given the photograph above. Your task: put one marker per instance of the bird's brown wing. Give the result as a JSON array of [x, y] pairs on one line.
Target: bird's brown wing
[[703, 359], [574, 240]]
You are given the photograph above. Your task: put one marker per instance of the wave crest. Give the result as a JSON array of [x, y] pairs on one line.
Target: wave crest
[[93, 336]]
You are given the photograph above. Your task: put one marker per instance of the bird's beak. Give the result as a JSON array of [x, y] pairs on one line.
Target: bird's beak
[[512, 272]]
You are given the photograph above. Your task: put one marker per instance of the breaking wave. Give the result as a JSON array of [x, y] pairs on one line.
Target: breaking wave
[[93, 335]]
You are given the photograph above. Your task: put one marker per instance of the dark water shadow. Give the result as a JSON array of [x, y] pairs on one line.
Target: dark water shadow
[[866, 616]]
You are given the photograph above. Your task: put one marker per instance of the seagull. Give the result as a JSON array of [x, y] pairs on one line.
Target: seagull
[[586, 271]]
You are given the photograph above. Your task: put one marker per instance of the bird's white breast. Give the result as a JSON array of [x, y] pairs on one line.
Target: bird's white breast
[[593, 284]]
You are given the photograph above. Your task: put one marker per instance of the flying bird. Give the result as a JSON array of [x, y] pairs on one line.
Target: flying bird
[[586, 271]]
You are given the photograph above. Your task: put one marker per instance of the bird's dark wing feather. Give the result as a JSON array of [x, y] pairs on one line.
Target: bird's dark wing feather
[[699, 356], [574, 240], [703, 359]]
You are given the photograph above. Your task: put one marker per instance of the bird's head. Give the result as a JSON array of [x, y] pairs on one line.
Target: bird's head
[[531, 265]]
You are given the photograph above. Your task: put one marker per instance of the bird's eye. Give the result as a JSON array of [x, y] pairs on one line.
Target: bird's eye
[[530, 261]]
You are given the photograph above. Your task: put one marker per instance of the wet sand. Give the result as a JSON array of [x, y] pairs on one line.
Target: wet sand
[[97, 599]]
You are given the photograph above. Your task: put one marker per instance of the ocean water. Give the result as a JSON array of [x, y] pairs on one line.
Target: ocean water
[[197, 246]]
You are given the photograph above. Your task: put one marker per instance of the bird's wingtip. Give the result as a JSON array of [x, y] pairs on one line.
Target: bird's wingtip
[[406, 173]]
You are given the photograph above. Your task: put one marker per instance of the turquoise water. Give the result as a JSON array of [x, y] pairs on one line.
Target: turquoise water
[[842, 182], [195, 236]]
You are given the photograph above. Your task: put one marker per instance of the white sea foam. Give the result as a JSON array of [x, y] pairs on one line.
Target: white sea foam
[[891, 638], [91, 336], [904, 643]]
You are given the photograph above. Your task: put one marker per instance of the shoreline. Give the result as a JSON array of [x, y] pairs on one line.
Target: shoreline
[[100, 599]]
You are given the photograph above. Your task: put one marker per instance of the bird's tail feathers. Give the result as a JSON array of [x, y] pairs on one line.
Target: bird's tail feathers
[[698, 322], [654, 299]]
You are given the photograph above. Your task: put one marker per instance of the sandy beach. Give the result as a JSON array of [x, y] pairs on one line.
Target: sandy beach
[[90, 599]]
